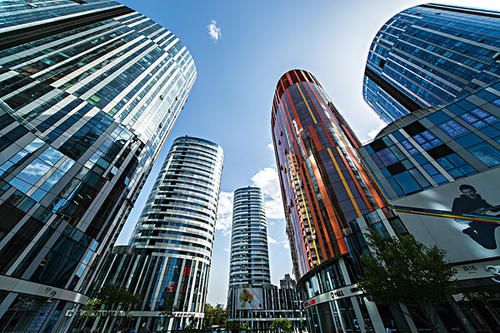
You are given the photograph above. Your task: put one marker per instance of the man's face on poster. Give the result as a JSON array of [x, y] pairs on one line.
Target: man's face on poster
[[469, 193]]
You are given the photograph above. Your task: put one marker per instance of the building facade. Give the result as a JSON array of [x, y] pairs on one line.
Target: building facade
[[440, 168], [431, 55], [89, 92], [249, 250], [329, 201], [169, 256], [252, 299]]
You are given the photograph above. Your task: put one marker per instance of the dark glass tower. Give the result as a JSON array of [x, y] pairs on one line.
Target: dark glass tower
[[431, 55], [89, 91]]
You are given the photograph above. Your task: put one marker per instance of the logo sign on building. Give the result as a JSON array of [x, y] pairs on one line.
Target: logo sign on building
[[462, 217], [348, 291]]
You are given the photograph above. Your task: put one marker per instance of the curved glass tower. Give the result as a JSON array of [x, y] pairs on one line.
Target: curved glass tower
[[431, 55], [168, 259], [89, 91], [323, 183], [329, 200], [180, 214], [249, 252]]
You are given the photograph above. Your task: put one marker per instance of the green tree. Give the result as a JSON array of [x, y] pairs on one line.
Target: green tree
[[214, 316], [403, 270], [281, 325], [236, 326], [117, 298], [90, 308], [114, 297]]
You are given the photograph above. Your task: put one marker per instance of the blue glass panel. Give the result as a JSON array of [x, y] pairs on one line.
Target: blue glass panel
[[38, 194], [468, 117], [407, 182], [395, 186], [469, 140], [420, 158], [453, 129], [387, 157], [438, 117], [37, 143], [430, 169], [455, 109], [478, 112], [34, 171], [20, 184], [445, 163], [409, 147], [51, 156], [440, 179], [486, 153], [490, 131]]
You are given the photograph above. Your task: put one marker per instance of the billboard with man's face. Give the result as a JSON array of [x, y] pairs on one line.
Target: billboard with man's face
[[462, 217]]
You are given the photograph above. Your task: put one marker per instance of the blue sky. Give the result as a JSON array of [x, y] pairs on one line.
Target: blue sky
[[231, 100]]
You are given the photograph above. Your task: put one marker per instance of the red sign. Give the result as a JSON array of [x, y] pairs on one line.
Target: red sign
[[309, 302]]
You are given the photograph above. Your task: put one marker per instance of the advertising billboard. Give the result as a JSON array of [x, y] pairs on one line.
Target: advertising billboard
[[462, 217], [249, 299]]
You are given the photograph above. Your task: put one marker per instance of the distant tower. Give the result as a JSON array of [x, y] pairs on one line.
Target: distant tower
[[431, 55], [249, 252], [252, 299], [169, 256]]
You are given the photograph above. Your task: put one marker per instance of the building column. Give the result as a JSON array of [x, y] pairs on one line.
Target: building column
[[378, 324]]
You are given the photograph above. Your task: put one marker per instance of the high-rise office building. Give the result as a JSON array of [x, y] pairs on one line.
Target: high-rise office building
[[169, 256], [329, 200], [249, 252], [431, 55], [89, 91], [440, 169], [252, 299]]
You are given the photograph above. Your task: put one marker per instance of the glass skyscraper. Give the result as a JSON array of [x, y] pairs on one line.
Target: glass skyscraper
[[431, 55], [169, 256], [440, 169], [89, 91], [252, 299], [249, 252]]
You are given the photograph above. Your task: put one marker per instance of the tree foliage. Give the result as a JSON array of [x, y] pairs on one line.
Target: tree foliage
[[214, 316], [284, 325], [403, 270], [90, 308], [236, 326], [112, 296]]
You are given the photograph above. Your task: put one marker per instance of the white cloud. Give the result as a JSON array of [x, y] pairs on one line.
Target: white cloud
[[271, 240], [214, 31], [267, 180], [373, 133], [285, 244], [225, 212], [227, 249], [270, 147], [36, 169]]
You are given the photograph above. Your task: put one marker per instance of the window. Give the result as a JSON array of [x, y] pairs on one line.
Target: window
[[486, 154], [453, 129]]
